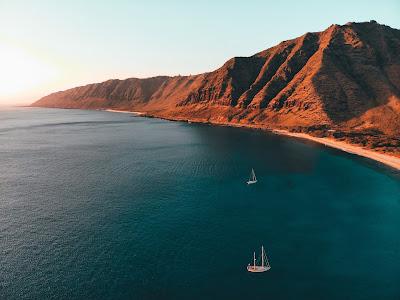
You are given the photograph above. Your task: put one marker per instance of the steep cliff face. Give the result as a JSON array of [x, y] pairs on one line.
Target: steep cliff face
[[345, 78]]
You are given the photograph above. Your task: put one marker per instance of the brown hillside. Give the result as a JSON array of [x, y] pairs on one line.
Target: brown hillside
[[344, 81]]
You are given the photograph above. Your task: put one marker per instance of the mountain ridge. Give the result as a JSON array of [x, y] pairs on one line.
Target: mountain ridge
[[342, 82]]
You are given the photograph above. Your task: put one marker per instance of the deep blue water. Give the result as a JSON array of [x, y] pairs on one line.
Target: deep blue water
[[100, 205]]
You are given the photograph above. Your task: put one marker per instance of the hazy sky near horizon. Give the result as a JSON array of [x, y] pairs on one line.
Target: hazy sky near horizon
[[47, 45]]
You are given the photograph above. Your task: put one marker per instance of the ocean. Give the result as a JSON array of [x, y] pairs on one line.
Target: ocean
[[104, 205]]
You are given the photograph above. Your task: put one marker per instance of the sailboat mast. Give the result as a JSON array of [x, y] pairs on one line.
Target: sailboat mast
[[254, 260], [262, 256]]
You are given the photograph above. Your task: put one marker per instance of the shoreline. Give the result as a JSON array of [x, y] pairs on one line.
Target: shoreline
[[388, 160], [138, 113]]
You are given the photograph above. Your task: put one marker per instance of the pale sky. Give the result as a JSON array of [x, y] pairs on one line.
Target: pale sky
[[46, 46]]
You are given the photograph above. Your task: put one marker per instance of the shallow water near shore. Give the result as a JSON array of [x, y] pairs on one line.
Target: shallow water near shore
[[104, 205]]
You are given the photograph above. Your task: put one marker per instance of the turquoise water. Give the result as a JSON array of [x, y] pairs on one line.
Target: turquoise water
[[100, 205]]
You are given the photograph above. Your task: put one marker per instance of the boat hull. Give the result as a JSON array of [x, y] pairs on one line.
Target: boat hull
[[251, 182], [257, 269]]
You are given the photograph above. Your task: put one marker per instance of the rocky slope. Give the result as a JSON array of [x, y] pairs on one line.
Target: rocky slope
[[342, 82]]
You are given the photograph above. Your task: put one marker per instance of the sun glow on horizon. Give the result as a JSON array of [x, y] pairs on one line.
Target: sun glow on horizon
[[22, 73]]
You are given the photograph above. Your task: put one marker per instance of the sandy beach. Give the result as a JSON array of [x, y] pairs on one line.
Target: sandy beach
[[125, 111], [388, 160]]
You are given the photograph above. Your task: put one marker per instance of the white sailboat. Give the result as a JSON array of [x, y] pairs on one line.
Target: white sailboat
[[253, 178], [265, 266]]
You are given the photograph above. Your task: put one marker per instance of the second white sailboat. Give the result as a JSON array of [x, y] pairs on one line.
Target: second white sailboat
[[265, 266]]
